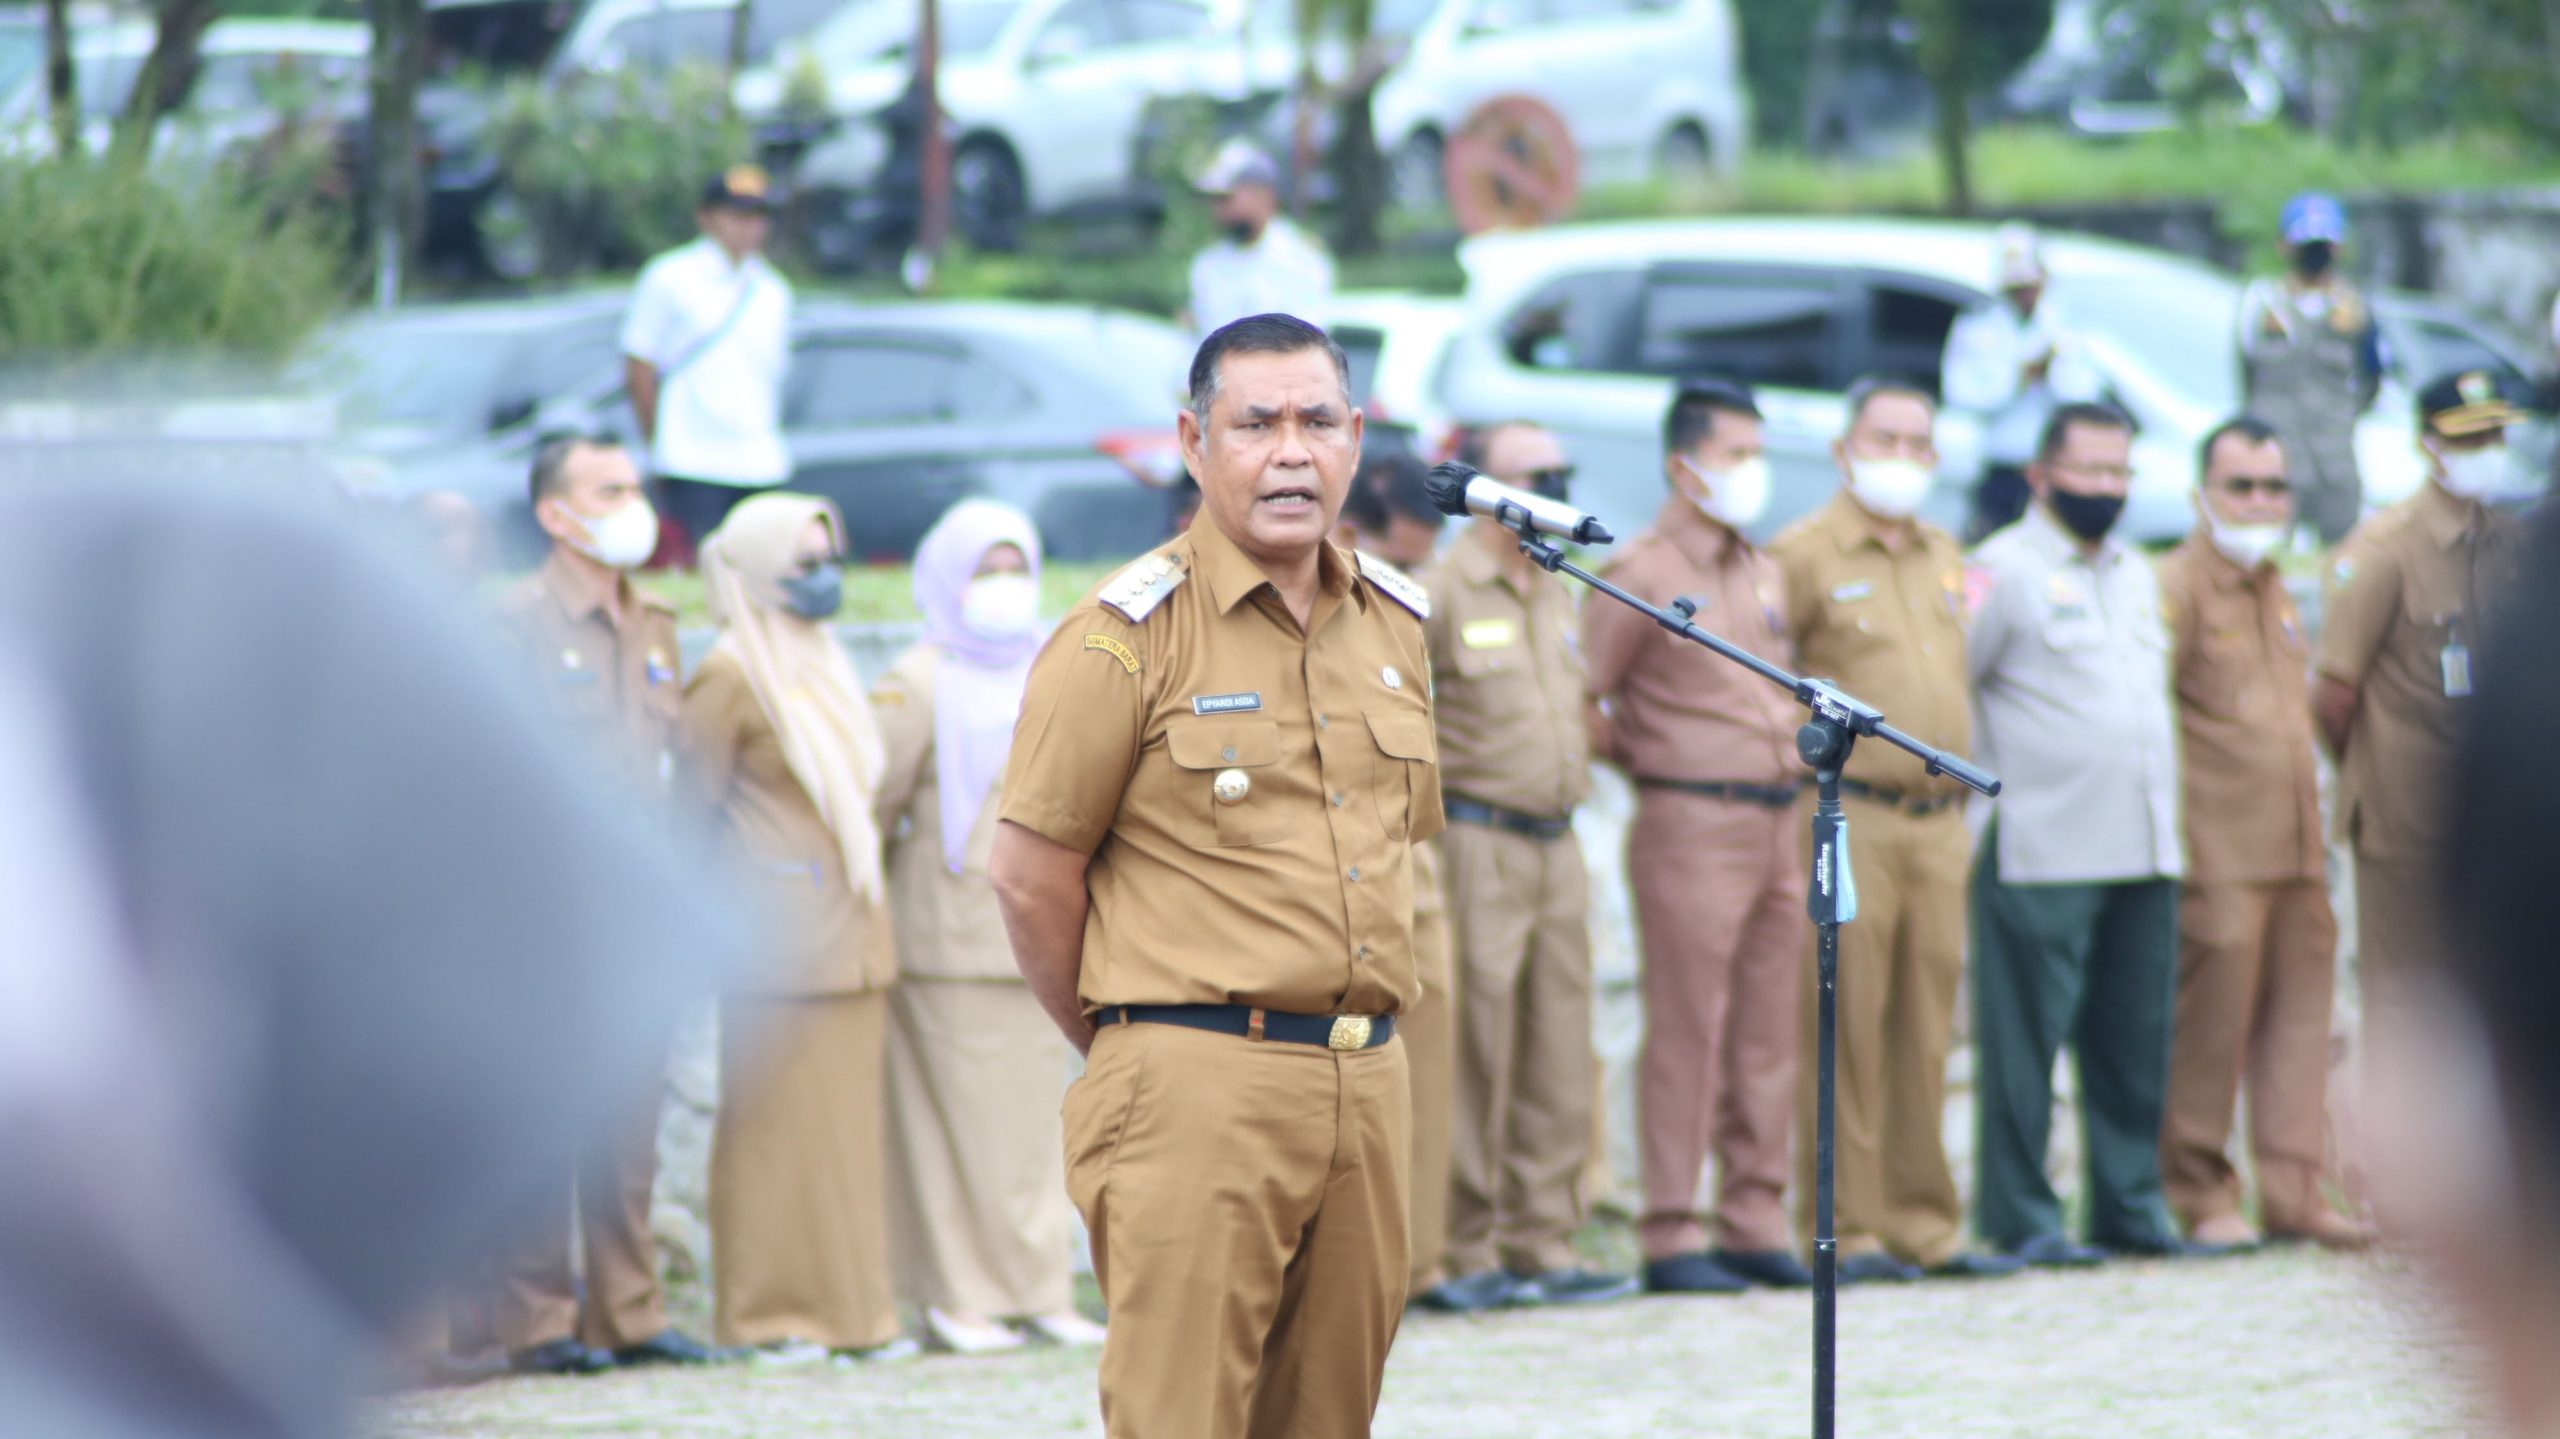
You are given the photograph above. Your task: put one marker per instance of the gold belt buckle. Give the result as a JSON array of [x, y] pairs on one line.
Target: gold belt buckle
[[1350, 1031]]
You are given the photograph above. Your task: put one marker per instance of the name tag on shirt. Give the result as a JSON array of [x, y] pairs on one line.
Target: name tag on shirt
[[2457, 670], [1226, 704], [1852, 592], [1491, 634]]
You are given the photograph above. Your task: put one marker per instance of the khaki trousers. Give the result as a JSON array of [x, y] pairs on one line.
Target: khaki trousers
[[1521, 914], [2398, 934], [536, 1300], [1720, 908], [1247, 1206], [1901, 966], [2257, 965], [1429, 1033]]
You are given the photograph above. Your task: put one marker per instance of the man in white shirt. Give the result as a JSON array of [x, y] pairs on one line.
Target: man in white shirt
[[1265, 264], [2012, 363], [706, 346]]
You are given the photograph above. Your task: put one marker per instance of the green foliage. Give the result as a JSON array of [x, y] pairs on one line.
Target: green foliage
[[608, 170], [102, 261], [885, 594]]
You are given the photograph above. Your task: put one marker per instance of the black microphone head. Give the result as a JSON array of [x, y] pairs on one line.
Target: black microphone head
[[1447, 485]]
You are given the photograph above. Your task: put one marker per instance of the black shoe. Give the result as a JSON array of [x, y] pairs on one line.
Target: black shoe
[[2055, 1251], [1492, 1289], [560, 1356], [1692, 1273], [1584, 1286], [1768, 1268], [1979, 1266], [668, 1346], [1876, 1268]]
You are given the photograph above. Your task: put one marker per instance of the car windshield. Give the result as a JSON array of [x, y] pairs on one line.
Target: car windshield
[[2177, 328], [21, 57], [1401, 17], [878, 30]]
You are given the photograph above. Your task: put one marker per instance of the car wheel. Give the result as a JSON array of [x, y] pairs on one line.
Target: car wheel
[[828, 234], [509, 237], [1419, 174], [987, 198], [1682, 159]]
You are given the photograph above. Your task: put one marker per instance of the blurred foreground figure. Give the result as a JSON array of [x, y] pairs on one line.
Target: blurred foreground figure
[[303, 906]]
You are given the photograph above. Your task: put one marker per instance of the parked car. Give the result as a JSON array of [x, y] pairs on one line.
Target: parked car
[[1645, 87], [1585, 328], [896, 411], [256, 76], [421, 379], [2100, 72], [1397, 343]]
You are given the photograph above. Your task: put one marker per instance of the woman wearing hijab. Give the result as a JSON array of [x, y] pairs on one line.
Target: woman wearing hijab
[[786, 752], [978, 1205]]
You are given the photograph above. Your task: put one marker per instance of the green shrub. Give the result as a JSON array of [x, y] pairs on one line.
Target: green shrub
[[608, 169], [104, 261]]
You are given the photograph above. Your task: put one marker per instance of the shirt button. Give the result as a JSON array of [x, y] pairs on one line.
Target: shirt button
[[1337, 801], [1228, 754], [1364, 951], [1355, 874]]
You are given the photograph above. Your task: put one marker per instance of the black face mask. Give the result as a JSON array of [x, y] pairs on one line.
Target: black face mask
[[2312, 259], [816, 595], [2088, 516], [1243, 232]]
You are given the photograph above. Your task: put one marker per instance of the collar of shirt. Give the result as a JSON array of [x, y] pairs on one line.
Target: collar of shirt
[[2222, 571], [1482, 568], [1706, 543], [716, 259], [1851, 525], [2047, 537], [2449, 519], [579, 596], [1231, 576]]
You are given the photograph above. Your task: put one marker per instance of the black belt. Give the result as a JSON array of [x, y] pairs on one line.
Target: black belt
[[1332, 1031], [1914, 807], [1494, 816], [1769, 795]]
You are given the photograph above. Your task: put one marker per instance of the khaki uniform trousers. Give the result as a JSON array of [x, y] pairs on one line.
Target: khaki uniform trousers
[[1247, 1205], [1720, 907], [1521, 911], [1429, 1033], [2398, 932], [2257, 965], [536, 1300], [1901, 966]]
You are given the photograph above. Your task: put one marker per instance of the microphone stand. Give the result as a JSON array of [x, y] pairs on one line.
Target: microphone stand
[[1837, 721]]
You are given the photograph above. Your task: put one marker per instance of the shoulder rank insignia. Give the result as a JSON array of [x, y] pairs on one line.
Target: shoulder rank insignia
[[1397, 585], [1136, 591]]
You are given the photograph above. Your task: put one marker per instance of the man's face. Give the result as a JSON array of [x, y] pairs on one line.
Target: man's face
[[2245, 484], [1277, 454], [1734, 439], [2025, 298], [1520, 455], [2438, 444], [1408, 543], [2093, 460], [596, 481], [1244, 209], [1893, 426], [738, 230]]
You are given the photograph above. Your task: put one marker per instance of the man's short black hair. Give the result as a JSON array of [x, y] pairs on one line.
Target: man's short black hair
[[1866, 388], [551, 460], [1475, 442], [2094, 413], [1391, 485], [1272, 334], [2248, 427], [1694, 407]]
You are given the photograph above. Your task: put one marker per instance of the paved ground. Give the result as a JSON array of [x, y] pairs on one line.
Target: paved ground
[[2277, 1345]]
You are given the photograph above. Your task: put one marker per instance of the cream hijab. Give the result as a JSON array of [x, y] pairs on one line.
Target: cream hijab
[[798, 672]]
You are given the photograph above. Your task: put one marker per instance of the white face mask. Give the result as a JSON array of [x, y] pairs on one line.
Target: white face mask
[[1892, 489], [1001, 607], [1737, 497], [625, 538], [2475, 474], [2244, 545]]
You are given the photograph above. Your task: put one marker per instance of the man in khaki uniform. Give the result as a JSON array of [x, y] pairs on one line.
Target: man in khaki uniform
[[2257, 943], [1224, 761], [606, 658], [1715, 857], [1389, 514], [2409, 600], [1875, 599], [1515, 759]]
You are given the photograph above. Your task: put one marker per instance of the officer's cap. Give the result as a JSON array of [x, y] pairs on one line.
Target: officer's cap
[[2468, 402]]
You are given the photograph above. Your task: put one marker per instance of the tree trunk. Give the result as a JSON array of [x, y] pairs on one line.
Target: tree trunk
[[1359, 175], [393, 186], [741, 30], [167, 76], [1945, 59], [933, 200], [61, 81]]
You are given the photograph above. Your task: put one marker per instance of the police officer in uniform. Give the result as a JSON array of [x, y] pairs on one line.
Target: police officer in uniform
[[2312, 360], [607, 660], [2408, 604], [1875, 599], [1224, 760]]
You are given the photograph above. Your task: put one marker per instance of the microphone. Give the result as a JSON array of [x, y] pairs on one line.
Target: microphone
[[1463, 490]]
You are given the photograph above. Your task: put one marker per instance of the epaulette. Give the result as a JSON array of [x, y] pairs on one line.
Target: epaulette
[[1136, 591], [1398, 585]]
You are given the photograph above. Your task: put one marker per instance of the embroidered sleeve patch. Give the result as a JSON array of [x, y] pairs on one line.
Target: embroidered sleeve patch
[[1128, 658]]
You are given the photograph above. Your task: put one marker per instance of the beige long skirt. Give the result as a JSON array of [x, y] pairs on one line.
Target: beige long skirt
[[799, 1228], [978, 1211]]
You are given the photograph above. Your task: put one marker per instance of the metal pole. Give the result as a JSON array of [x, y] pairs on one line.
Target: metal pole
[[1830, 880]]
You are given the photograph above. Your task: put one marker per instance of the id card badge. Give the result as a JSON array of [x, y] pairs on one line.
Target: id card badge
[[2456, 659]]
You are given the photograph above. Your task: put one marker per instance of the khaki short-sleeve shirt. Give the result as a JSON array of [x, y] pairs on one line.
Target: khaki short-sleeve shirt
[[1507, 685], [2244, 719], [1250, 793], [616, 685]]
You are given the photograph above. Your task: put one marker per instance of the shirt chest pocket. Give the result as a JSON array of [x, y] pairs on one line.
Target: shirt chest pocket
[[2215, 674], [1224, 768], [1405, 766]]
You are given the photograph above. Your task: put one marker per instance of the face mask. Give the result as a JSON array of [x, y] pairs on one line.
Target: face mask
[[2244, 545], [622, 539], [1243, 232], [2314, 258], [1890, 488], [1735, 497], [2474, 474], [2088, 516], [816, 595], [1001, 607]]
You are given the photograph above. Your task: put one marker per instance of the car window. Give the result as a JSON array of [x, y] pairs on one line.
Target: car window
[[1079, 26], [664, 40], [1162, 22], [1574, 322], [2172, 327], [1399, 18], [1361, 345], [1760, 327], [2423, 350], [857, 384], [105, 83], [1907, 333]]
